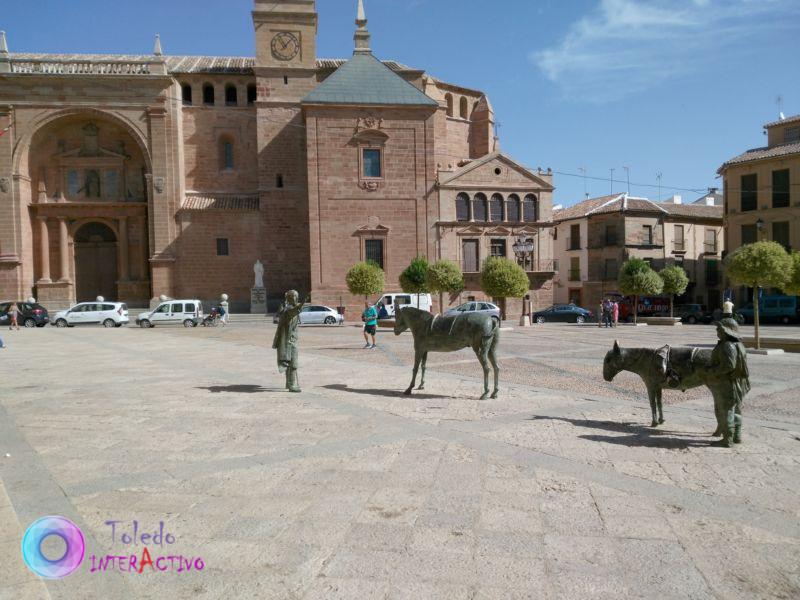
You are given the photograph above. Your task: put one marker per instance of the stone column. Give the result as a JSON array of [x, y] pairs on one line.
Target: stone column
[[144, 251], [124, 274], [44, 250], [63, 249]]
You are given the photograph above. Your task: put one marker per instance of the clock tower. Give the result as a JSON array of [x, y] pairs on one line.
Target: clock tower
[[286, 33]]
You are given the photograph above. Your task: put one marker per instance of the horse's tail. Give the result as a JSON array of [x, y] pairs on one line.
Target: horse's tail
[[495, 335]]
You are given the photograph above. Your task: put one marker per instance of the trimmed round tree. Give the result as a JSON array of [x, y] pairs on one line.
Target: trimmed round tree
[[365, 279], [792, 285], [413, 280], [675, 283], [763, 264], [636, 278], [502, 278], [444, 276]]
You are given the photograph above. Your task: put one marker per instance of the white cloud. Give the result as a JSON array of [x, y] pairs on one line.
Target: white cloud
[[627, 46]]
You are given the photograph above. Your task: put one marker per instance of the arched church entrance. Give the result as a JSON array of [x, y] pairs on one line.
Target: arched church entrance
[[95, 262]]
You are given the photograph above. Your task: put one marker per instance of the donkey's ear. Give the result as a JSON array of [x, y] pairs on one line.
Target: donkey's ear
[[616, 347]]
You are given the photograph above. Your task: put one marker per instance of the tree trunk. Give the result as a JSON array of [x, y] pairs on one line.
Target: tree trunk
[[636, 309], [756, 302]]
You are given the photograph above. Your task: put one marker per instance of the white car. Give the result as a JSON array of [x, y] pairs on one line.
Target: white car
[[107, 314], [314, 314], [188, 313], [394, 301]]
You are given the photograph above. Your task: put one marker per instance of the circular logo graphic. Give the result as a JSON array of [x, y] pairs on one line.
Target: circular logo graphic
[[49, 567]]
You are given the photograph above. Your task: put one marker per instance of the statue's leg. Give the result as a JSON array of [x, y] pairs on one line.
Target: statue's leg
[[651, 395], [482, 352], [417, 359], [493, 359], [659, 394], [719, 411], [728, 413], [292, 383], [422, 379], [737, 423]]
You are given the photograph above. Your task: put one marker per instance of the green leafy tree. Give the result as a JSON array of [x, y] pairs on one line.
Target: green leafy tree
[[763, 264], [636, 278], [792, 285], [502, 278], [365, 279], [675, 283], [444, 276], [414, 279]]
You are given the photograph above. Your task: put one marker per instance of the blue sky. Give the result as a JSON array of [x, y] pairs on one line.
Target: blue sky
[[670, 86]]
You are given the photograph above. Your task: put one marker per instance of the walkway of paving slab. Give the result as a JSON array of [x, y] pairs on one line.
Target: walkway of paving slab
[[352, 490]]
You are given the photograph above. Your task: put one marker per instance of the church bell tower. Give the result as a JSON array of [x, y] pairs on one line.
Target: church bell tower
[[286, 33]]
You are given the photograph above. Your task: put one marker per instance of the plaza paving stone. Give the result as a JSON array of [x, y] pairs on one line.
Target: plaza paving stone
[[558, 489]]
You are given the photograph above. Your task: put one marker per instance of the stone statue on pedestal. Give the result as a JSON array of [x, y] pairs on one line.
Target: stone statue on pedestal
[[258, 269], [286, 339], [258, 294]]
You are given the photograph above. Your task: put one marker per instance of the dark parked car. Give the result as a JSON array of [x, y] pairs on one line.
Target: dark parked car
[[693, 313], [563, 313], [30, 314]]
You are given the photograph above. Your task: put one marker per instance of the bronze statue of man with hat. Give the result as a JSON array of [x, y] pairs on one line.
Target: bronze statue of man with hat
[[286, 339], [729, 380]]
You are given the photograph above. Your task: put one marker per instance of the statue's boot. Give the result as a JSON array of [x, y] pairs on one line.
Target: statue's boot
[[291, 381], [737, 430], [725, 442]]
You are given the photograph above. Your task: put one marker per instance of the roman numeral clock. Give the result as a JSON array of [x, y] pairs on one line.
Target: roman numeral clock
[[285, 46]]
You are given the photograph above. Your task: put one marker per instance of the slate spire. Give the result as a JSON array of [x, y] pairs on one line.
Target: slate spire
[[361, 38]]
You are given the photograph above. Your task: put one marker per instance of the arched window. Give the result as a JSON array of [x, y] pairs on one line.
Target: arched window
[[449, 99], [231, 95], [226, 154], [496, 208], [208, 94], [530, 209], [186, 92], [462, 207], [464, 109], [513, 212], [252, 94], [479, 208]]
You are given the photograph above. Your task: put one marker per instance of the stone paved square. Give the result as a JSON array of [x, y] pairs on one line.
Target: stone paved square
[[558, 489]]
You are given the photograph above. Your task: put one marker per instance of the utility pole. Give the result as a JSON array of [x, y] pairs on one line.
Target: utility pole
[[612, 181], [628, 172], [658, 176]]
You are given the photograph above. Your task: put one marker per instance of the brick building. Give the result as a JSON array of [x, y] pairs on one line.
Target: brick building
[[594, 238], [136, 176]]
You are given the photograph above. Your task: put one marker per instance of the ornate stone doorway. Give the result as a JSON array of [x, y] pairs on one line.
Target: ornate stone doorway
[[95, 262]]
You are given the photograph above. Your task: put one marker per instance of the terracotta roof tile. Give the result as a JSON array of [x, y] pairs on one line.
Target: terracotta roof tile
[[625, 203], [760, 153], [243, 202], [792, 119]]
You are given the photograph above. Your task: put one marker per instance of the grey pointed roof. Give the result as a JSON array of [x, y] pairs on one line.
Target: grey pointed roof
[[366, 80]]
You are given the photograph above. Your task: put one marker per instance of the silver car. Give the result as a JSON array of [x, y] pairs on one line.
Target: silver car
[[486, 308], [314, 314]]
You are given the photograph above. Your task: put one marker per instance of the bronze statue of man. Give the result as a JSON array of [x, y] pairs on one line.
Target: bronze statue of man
[[731, 382], [285, 341]]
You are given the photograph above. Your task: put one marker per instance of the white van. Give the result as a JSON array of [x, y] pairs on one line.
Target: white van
[[188, 313], [396, 300]]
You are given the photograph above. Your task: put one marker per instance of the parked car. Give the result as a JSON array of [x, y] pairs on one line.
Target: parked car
[[781, 309], [563, 313], [188, 313], [31, 314], [692, 313], [315, 314], [107, 314], [395, 300], [486, 308]]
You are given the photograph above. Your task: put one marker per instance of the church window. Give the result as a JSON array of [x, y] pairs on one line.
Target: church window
[[208, 94], [496, 208], [464, 108], [72, 183], [462, 207], [91, 186], [279, 181], [186, 92], [252, 94], [512, 208], [222, 247], [285, 80], [231, 95], [530, 209], [371, 163], [449, 99], [373, 251], [227, 154], [479, 208], [112, 185]]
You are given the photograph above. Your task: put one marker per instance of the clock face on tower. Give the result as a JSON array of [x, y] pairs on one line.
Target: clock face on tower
[[285, 46]]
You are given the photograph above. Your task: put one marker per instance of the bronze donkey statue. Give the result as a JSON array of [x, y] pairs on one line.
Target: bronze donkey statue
[[434, 333]]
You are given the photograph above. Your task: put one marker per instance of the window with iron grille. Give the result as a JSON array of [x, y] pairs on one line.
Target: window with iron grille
[[711, 241], [780, 233], [222, 247], [749, 234], [780, 188], [373, 251], [575, 269], [680, 244], [469, 256], [749, 192], [498, 248], [647, 235]]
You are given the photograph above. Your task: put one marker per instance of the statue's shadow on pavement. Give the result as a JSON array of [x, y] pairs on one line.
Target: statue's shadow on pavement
[[390, 393], [238, 389], [638, 435]]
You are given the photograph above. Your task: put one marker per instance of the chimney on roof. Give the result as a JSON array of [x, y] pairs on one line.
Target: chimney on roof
[[710, 201], [361, 37], [674, 199]]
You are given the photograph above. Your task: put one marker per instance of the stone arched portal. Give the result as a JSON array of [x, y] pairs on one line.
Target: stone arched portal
[[95, 262]]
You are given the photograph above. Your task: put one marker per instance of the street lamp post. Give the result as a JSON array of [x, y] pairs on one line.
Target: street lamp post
[[523, 249]]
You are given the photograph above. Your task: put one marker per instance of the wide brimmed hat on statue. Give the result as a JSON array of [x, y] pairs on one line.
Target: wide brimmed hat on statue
[[731, 328]]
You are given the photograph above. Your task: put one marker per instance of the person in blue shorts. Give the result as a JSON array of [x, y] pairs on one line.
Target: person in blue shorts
[[370, 318]]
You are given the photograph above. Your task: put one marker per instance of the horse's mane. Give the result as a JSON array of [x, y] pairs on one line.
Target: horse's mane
[[418, 312]]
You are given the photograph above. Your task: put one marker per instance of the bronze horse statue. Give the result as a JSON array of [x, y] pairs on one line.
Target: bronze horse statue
[[434, 333], [678, 368]]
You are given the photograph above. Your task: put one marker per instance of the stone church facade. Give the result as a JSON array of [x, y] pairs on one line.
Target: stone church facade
[[136, 176]]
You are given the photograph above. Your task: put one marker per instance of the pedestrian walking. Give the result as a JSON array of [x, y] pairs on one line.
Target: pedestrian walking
[[370, 318], [607, 313], [600, 315], [727, 309], [223, 310], [13, 315], [615, 312]]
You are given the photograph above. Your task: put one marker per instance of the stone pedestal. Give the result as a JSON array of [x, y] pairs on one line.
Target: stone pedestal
[[258, 301]]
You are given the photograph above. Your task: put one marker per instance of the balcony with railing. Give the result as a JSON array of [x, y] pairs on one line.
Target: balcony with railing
[[573, 243], [710, 247], [96, 65], [574, 275], [679, 246]]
